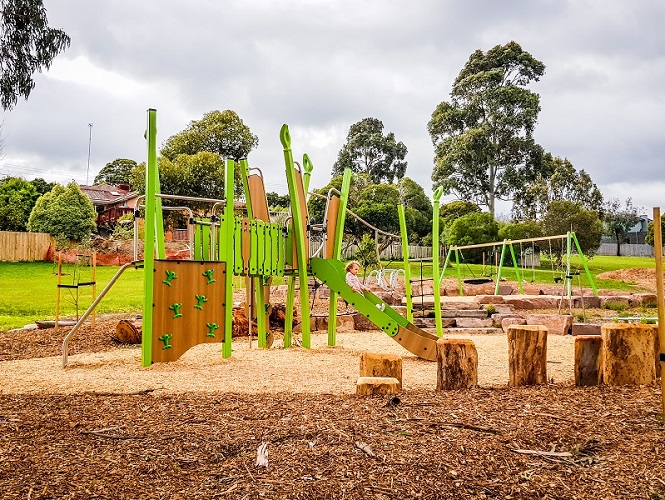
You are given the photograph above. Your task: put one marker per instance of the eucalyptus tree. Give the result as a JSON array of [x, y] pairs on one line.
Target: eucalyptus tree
[[27, 44], [368, 150], [483, 137]]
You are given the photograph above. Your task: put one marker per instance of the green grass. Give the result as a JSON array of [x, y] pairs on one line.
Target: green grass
[[28, 290], [545, 274]]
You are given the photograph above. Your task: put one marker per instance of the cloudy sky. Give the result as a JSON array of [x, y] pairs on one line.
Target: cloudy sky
[[322, 65]]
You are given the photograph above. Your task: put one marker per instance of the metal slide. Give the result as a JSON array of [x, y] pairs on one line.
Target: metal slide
[[413, 339]]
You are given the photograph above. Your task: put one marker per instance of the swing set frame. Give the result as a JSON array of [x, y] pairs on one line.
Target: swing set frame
[[569, 237]]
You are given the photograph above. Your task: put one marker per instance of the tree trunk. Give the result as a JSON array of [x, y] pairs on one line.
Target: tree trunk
[[628, 354], [527, 355], [457, 364], [588, 360], [128, 331]]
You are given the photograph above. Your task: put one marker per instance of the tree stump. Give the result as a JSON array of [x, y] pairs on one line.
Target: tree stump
[[381, 365], [588, 360], [128, 331], [366, 386], [628, 353], [457, 364], [527, 355]]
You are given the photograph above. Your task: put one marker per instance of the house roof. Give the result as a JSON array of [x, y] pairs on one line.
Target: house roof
[[105, 194]]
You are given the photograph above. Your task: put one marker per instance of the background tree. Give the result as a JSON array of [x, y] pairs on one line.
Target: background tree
[[220, 132], [366, 254], [368, 151], [42, 186], [17, 198], [471, 229], [118, 171], [275, 200], [64, 212], [564, 215], [484, 149], [198, 175], [520, 230], [556, 180], [618, 220], [649, 238], [27, 44]]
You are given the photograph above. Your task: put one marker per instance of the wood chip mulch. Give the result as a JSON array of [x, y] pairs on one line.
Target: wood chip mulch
[[547, 442]]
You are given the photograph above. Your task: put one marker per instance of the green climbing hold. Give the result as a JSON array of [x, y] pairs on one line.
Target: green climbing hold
[[176, 309], [170, 276], [200, 299], [208, 274], [166, 338], [212, 327]]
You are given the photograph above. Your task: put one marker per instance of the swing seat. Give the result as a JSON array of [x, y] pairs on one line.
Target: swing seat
[[477, 281]]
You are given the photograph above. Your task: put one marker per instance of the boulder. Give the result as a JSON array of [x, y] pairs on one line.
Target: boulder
[[475, 322], [513, 320], [585, 329], [556, 324], [489, 299]]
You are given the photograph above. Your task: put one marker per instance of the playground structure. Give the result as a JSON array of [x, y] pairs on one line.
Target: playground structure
[[189, 302]]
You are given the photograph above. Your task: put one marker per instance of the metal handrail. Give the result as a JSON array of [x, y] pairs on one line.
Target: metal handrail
[[65, 342]]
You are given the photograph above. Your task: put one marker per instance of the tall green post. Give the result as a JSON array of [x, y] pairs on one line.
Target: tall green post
[[405, 259], [337, 250], [299, 236], [151, 180], [435, 261], [226, 256]]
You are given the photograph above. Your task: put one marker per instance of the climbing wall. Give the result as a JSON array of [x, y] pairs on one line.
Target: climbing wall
[[188, 306]]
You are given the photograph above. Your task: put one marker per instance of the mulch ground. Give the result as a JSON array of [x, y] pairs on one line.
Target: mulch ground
[[554, 441]]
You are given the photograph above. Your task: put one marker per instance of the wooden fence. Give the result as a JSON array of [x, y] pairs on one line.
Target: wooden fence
[[24, 247], [627, 249]]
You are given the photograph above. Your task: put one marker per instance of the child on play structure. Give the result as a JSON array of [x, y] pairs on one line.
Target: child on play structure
[[353, 281]]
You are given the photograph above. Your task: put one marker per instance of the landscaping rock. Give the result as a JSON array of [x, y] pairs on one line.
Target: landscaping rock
[[475, 322], [489, 299], [585, 329], [556, 324], [514, 320]]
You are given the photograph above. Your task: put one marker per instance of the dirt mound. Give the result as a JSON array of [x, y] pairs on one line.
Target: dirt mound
[[643, 277]]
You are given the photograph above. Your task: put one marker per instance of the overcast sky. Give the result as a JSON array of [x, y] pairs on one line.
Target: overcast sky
[[322, 65]]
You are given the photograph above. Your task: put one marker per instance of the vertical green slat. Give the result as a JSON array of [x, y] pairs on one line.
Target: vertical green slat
[[337, 250], [299, 235], [435, 261], [238, 265], [260, 247], [253, 243], [226, 228], [405, 259], [149, 249]]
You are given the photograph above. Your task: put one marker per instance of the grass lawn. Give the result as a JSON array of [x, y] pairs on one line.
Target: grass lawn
[[28, 289]]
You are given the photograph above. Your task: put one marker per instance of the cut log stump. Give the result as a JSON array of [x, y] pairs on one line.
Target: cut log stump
[[129, 331], [628, 353], [381, 365], [527, 355], [366, 386], [457, 364], [588, 360]]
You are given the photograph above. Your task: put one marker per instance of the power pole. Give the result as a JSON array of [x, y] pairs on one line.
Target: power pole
[[89, 144]]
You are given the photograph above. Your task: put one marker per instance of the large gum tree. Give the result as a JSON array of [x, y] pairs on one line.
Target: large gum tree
[[484, 149]]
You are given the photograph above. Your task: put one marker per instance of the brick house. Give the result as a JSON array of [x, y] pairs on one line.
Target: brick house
[[111, 202]]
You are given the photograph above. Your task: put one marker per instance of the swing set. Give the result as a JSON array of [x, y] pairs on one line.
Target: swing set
[[527, 259]]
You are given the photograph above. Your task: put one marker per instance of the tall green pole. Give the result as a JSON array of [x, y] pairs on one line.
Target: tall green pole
[[298, 233], [337, 250], [151, 176], [586, 268], [226, 255], [516, 267], [569, 281], [498, 272], [405, 259], [435, 261]]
